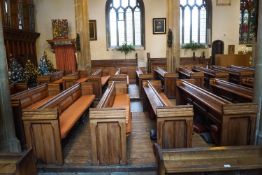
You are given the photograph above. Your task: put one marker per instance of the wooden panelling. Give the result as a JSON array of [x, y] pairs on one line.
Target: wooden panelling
[[18, 163], [241, 160], [227, 60]]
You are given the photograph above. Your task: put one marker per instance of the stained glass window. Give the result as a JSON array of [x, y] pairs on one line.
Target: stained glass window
[[125, 21], [248, 21], [193, 21]]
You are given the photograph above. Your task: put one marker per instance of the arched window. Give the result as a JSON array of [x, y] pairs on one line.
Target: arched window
[[195, 21], [125, 22], [248, 21]]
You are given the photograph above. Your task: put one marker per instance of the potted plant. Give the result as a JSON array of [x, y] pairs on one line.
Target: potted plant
[[193, 46], [126, 48]]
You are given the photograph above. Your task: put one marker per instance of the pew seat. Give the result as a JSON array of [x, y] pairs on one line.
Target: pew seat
[[46, 126], [81, 80], [39, 103], [123, 100], [72, 114]]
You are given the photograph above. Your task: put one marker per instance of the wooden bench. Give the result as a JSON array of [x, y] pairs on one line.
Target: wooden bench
[[236, 73], [235, 122], [185, 73], [232, 92], [142, 75], [210, 73], [248, 82], [54, 77], [30, 99], [18, 163], [168, 81], [110, 122], [76, 77], [99, 82], [46, 126], [119, 77], [174, 123], [17, 87], [246, 160]]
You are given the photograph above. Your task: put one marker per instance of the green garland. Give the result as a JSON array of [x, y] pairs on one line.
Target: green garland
[[193, 46], [126, 48]]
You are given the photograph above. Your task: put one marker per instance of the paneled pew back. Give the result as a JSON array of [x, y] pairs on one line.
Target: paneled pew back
[[235, 122], [236, 73], [99, 81], [54, 77], [185, 73], [120, 76], [174, 123], [110, 122], [142, 75], [232, 92], [210, 73], [168, 81], [231, 160], [30, 99], [47, 125], [73, 78]]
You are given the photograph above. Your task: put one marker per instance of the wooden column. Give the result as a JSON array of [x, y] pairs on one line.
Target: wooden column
[[258, 77], [82, 27], [173, 23], [8, 140]]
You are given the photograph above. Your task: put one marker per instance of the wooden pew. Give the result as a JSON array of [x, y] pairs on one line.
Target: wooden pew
[[210, 73], [99, 82], [154, 63], [230, 91], [18, 163], [236, 73], [46, 126], [246, 160], [120, 77], [188, 74], [30, 99], [17, 87], [54, 78], [168, 81], [248, 82], [235, 122], [110, 122], [142, 75], [174, 123], [109, 67], [76, 77]]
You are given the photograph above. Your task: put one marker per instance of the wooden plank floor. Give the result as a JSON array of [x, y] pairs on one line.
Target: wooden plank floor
[[77, 148]]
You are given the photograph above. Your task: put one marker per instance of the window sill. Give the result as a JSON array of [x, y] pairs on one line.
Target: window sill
[[137, 48]]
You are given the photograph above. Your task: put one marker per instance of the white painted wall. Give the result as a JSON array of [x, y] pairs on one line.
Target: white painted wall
[[155, 44], [225, 27], [45, 11]]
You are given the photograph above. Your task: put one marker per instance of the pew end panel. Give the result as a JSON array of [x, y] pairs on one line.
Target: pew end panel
[[42, 133], [141, 78], [108, 135], [239, 124], [180, 100], [97, 85], [18, 163], [175, 126]]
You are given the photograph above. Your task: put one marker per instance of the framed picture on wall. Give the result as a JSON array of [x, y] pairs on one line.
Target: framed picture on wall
[[223, 2], [159, 25], [92, 30]]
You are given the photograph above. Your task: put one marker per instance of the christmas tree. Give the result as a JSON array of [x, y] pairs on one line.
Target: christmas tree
[[45, 66], [15, 71], [30, 73]]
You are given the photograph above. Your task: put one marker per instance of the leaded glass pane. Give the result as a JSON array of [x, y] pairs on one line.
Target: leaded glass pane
[[181, 25], [195, 26], [113, 33], [132, 3], [137, 16], [121, 32], [191, 2], [124, 3], [129, 26], [203, 32], [199, 2], [187, 18], [116, 3], [183, 2], [121, 14]]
